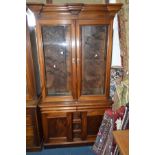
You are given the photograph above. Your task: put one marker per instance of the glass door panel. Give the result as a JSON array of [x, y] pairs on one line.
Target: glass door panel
[[57, 58], [93, 54]]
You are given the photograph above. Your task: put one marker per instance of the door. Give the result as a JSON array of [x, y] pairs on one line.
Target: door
[[30, 77], [56, 39], [93, 58], [57, 127]]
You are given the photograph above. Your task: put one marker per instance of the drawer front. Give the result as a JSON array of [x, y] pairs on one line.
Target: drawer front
[[29, 135], [30, 116], [30, 123], [76, 125], [29, 131], [29, 120]]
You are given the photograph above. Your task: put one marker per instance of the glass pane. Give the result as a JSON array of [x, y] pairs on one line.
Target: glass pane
[[56, 46], [94, 48], [35, 60]]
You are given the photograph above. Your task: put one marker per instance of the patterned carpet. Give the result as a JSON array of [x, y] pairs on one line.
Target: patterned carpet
[[84, 150]]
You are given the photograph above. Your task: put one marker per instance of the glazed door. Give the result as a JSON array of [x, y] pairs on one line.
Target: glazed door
[[56, 55], [93, 58], [30, 77]]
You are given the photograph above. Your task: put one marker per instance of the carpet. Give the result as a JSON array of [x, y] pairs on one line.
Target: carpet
[[84, 150]]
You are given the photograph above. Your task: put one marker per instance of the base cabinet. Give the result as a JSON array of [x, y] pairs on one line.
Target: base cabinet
[[70, 126]]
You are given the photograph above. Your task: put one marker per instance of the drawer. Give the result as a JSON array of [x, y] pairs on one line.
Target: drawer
[[33, 129], [29, 130], [29, 120], [29, 135], [29, 140]]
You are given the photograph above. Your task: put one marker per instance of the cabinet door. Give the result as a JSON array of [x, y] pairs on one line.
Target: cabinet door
[[91, 121], [30, 77], [57, 127], [56, 54], [93, 58]]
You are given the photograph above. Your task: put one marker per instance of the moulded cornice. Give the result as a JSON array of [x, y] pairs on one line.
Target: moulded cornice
[[74, 8]]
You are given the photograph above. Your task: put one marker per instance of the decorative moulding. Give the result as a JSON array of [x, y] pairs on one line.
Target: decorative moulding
[[74, 9]]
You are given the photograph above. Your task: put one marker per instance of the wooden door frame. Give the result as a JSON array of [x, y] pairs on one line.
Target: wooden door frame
[[30, 76], [109, 23], [40, 23]]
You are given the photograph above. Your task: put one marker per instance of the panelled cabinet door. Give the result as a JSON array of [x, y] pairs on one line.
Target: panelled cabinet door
[[93, 119], [93, 57], [57, 127], [56, 55]]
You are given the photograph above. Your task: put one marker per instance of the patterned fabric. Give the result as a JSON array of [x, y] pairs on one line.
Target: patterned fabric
[[125, 125], [103, 135], [115, 78], [121, 95], [104, 144]]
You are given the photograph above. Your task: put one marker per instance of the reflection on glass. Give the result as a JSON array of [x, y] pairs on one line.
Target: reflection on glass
[[94, 48], [35, 59], [57, 55]]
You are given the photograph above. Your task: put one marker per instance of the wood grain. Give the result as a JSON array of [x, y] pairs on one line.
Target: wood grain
[[33, 129], [74, 119], [122, 139]]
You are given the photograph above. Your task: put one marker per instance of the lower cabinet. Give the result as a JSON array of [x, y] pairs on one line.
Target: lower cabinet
[[33, 129], [70, 127]]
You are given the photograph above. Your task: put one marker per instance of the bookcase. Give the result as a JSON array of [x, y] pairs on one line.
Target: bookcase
[[74, 51]]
